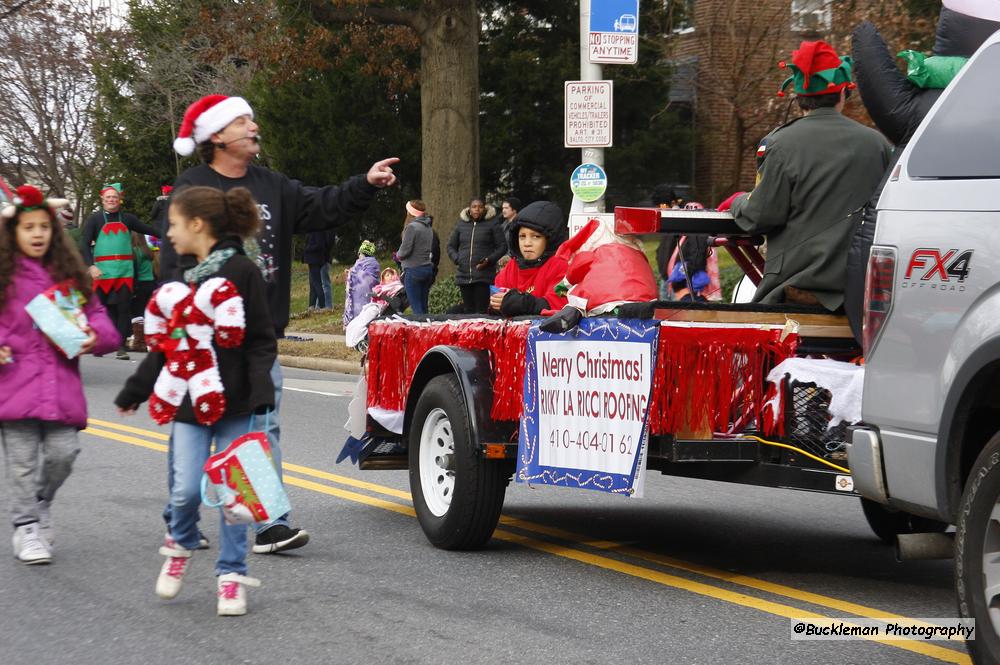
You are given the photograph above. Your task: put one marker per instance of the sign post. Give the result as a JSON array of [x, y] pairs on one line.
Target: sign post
[[588, 72]]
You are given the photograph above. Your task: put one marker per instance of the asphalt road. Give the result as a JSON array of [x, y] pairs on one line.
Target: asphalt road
[[695, 572]]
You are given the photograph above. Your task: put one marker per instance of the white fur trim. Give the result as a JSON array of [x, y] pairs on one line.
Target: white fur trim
[[184, 146], [217, 117]]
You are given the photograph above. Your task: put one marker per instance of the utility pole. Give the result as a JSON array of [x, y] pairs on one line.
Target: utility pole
[[588, 72]]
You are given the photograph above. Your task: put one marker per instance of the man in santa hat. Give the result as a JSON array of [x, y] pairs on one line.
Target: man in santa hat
[[223, 132], [813, 173]]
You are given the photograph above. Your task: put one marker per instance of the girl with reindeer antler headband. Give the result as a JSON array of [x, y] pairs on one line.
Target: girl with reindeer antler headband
[[37, 421]]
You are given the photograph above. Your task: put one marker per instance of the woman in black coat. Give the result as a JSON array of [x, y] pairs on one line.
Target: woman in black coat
[[475, 246]]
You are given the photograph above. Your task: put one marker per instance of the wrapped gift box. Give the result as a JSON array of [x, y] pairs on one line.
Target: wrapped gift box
[[58, 313]]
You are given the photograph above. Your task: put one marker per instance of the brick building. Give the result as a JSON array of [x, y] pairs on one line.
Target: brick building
[[726, 55]]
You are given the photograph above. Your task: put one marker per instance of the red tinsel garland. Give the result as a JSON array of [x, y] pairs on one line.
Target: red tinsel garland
[[396, 348], [707, 378]]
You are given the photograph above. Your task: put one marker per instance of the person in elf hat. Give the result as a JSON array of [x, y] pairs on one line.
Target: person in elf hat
[[813, 172], [223, 132], [106, 245]]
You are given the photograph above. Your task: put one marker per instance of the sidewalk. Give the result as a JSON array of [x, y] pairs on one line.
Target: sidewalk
[[319, 364], [315, 337]]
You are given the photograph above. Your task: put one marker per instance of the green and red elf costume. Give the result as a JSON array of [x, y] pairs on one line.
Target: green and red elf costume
[[813, 173], [106, 242]]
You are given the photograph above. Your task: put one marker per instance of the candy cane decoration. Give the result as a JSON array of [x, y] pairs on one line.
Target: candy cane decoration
[[181, 324]]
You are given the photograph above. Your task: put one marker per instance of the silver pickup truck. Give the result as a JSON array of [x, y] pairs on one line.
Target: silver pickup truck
[[930, 448]]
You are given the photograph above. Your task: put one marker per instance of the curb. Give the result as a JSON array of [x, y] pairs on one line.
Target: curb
[[320, 364]]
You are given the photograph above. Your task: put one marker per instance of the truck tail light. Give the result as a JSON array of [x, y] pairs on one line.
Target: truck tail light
[[878, 293]]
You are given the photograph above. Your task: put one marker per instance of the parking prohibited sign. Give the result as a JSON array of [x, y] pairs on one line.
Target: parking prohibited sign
[[588, 114], [614, 31]]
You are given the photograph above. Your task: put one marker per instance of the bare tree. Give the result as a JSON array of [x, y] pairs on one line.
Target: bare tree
[[738, 44], [48, 92]]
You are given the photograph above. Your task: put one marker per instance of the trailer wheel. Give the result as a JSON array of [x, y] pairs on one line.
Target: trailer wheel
[[977, 554], [457, 494], [887, 523]]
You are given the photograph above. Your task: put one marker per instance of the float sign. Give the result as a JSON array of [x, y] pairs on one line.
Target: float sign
[[614, 31], [586, 403], [588, 182], [588, 114]]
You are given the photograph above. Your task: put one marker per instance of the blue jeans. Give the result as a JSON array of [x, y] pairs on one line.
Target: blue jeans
[[192, 445], [273, 431], [324, 276], [418, 286]]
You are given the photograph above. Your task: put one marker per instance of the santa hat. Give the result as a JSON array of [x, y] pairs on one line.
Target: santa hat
[[817, 70], [206, 116]]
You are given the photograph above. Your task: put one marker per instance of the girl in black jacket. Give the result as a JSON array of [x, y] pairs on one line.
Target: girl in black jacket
[[180, 372]]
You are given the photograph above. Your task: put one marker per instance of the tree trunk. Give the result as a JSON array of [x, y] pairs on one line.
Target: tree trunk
[[449, 105]]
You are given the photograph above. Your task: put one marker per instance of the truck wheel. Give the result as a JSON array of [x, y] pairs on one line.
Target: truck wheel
[[457, 494], [887, 523], [977, 554]]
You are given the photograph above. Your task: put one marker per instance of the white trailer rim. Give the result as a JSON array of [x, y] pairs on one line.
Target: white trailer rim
[[436, 459]]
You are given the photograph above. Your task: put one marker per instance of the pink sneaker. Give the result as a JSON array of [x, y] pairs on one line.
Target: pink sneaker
[[168, 584], [232, 595]]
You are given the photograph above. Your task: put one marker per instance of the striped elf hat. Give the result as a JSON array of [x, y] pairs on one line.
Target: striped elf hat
[[817, 70]]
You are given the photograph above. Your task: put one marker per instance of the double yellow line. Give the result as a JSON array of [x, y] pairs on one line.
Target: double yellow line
[[579, 548]]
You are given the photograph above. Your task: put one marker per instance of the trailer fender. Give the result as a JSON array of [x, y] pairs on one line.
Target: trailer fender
[[475, 377]]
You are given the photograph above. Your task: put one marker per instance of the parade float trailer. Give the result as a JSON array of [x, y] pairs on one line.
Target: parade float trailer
[[714, 391]]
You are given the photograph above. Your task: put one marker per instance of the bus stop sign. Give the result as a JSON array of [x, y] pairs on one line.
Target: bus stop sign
[[614, 31]]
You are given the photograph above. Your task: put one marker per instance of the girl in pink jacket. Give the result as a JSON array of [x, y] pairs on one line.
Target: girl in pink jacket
[[41, 397]]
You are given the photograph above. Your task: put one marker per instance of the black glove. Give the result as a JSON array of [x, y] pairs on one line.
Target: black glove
[[515, 303], [563, 320]]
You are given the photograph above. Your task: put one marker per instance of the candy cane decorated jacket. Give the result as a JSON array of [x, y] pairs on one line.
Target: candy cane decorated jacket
[[244, 370]]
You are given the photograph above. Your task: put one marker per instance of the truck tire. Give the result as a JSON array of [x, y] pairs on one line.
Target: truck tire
[[887, 523], [457, 494], [977, 538]]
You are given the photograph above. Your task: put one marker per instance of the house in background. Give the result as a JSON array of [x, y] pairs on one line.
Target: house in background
[[725, 55]]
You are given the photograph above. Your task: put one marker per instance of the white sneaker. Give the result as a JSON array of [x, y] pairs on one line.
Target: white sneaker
[[232, 595], [45, 528], [168, 584], [29, 546]]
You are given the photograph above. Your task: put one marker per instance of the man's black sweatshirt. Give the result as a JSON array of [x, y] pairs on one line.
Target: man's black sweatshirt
[[286, 207]]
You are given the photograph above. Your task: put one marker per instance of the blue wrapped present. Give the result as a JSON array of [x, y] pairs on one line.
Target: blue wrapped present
[[58, 313]]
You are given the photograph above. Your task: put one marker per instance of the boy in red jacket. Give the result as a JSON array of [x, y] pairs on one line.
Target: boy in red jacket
[[526, 285]]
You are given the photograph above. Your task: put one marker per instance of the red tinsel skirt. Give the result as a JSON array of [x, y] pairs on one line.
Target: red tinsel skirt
[[707, 379]]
